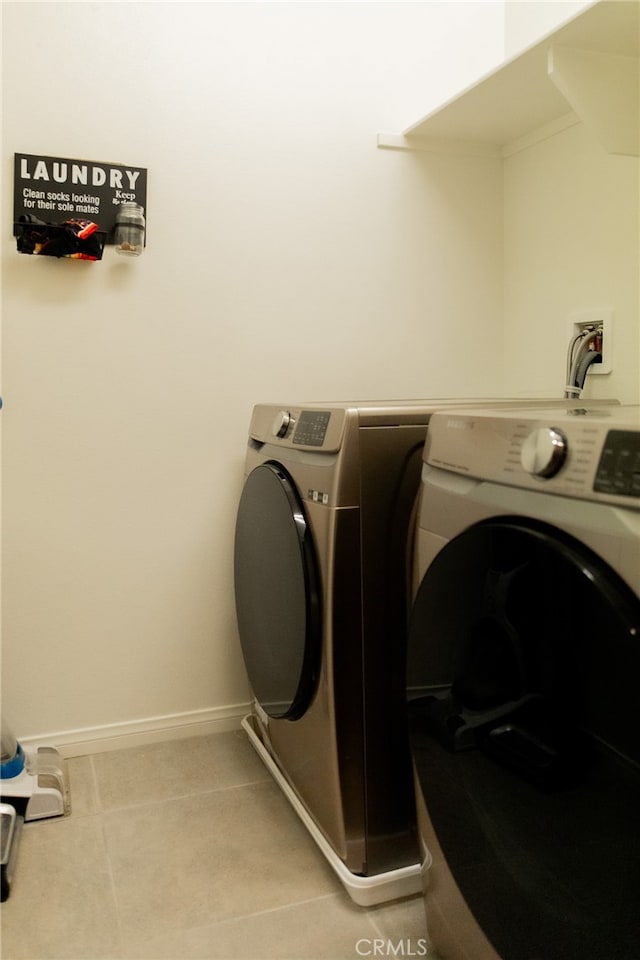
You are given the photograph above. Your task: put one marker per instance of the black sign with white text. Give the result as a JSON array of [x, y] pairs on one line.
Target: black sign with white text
[[57, 189]]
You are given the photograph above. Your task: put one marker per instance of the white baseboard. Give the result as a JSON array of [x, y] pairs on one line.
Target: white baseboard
[[135, 733]]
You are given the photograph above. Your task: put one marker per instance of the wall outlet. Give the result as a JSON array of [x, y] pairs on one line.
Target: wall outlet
[[583, 319]]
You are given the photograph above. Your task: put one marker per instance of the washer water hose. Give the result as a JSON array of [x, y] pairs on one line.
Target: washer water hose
[[584, 349]]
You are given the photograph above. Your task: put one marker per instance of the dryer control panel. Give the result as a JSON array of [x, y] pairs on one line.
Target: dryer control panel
[[307, 428], [316, 429], [588, 453], [311, 428]]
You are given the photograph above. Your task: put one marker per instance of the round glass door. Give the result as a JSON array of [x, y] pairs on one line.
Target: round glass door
[[524, 654], [277, 593]]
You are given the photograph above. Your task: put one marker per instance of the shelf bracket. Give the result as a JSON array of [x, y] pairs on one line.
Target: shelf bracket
[[466, 148], [603, 89]]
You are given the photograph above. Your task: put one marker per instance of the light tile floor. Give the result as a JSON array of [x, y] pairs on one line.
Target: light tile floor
[[187, 850]]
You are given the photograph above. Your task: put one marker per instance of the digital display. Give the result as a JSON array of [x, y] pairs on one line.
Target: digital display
[[619, 466], [311, 428]]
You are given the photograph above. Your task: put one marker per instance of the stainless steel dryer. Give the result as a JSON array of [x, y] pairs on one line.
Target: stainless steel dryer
[[322, 577], [523, 666]]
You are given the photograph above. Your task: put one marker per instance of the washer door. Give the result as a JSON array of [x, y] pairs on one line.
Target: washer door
[[277, 593], [523, 666]]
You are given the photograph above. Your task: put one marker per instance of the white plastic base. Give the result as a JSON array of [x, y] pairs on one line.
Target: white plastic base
[[43, 781], [365, 891]]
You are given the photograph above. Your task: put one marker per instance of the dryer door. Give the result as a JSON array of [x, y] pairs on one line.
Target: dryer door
[[277, 592], [523, 666]]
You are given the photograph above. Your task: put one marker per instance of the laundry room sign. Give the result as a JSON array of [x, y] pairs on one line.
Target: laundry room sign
[[55, 190]]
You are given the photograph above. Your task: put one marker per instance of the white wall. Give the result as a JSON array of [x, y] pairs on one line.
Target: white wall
[[571, 244], [287, 259], [571, 240], [527, 21]]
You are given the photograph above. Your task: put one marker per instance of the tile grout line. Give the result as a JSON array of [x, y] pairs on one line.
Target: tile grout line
[[96, 787], [235, 918], [112, 883], [203, 792], [272, 911], [109, 867]]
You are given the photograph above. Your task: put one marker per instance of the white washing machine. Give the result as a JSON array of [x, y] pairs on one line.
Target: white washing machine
[[523, 669], [322, 578]]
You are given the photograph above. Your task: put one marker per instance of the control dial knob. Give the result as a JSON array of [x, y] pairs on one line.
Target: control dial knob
[[544, 451], [281, 423]]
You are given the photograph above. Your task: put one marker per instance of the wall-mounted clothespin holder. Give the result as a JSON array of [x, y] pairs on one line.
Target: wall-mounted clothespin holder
[[76, 239], [73, 208]]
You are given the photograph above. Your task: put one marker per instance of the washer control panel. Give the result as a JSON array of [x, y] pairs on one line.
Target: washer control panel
[[619, 465], [591, 453], [544, 452]]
